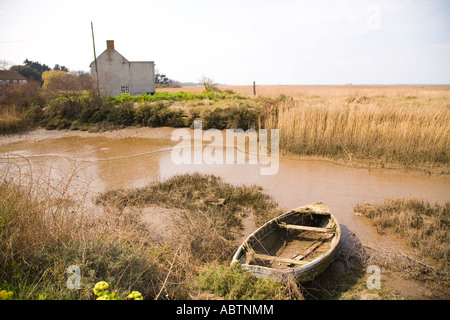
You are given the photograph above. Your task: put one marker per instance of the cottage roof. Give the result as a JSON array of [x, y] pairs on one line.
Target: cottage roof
[[110, 49], [11, 75]]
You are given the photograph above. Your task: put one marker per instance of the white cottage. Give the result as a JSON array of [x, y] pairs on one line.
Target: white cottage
[[117, 75]]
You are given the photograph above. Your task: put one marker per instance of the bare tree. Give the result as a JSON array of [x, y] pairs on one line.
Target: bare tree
[[208, 83], [5, 64]]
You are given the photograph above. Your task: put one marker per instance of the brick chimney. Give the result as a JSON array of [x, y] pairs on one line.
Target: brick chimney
[[110, 44]]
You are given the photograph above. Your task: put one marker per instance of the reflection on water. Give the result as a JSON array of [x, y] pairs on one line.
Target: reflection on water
[[112, 163], [106, 163]]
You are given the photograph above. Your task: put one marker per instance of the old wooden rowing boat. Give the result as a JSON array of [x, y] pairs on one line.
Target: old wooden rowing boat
[[299, 244]]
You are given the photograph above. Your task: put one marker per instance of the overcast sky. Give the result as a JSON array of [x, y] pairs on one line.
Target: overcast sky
[[241, 41]]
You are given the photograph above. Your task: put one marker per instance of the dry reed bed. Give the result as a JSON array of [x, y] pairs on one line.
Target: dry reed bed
[[378, 129], [401, 126], [298, 92], [12, 120], [43, 231]]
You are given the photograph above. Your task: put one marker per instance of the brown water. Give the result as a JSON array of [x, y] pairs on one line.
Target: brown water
[[99, 162]]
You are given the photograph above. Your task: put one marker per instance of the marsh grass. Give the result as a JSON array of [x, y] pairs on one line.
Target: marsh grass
[[380, 126], [424, 226], [199, 192], [204, 229], [32, 226], [405, 127], [211, 211], [233, 283], [12, 120], [44, 230], [329, 92], [378, 130]]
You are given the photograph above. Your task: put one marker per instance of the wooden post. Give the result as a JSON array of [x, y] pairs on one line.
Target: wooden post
[[254, 88], [95, 59]]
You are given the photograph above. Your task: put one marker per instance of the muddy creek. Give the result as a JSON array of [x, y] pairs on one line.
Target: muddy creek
[[135, 157]]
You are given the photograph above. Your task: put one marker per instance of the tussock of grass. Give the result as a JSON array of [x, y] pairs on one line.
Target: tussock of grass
[[198, 192], [424, 226], [234, 283], [26, 221], [212, 211]]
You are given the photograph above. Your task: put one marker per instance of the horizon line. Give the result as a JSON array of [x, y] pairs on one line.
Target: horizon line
[[332, 85]]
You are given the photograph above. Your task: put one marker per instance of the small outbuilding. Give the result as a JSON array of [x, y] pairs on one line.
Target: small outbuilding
[[117, 75]]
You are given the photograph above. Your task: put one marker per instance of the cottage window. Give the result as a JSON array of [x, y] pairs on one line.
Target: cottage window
[[125, 89]]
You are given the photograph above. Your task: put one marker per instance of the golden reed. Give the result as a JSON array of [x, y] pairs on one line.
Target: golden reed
[[409, 126]]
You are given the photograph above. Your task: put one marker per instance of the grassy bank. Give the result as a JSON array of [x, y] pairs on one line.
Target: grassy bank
[[424, 227], [41, 236], [83, 111]]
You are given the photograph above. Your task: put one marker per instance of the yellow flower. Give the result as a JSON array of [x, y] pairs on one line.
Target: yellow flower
[[100, 286], [135, 295], [6, 295]]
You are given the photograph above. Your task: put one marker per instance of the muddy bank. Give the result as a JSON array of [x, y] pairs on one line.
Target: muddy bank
[[43, 134]]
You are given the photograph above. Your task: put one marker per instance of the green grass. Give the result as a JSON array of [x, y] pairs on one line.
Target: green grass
[[175, 96], [235, 283], [83, 111]]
